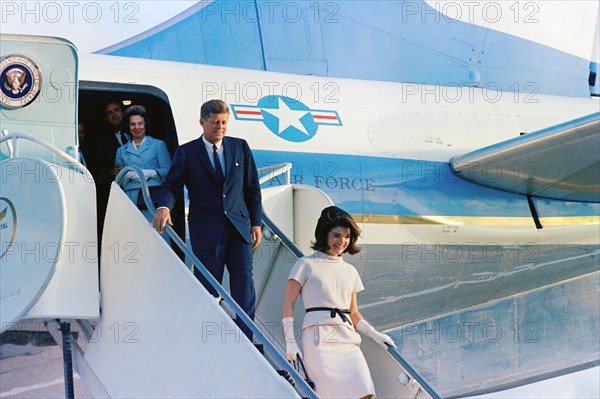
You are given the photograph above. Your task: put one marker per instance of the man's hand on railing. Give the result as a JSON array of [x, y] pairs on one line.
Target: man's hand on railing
[[162, 217], [256, 236]]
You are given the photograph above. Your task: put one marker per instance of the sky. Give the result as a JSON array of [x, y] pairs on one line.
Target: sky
[[90, 25], [93, 25]]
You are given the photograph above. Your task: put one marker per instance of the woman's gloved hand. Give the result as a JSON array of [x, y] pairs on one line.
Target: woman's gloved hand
[[381, 339], [292, 350]]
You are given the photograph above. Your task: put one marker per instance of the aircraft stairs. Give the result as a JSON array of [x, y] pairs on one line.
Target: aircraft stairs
[[157, 331]]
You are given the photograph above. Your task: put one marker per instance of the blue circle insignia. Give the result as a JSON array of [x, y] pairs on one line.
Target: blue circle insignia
[[288, 118], [20, 81]]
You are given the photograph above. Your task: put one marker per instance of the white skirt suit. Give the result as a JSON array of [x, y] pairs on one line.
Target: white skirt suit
[[331, 346]]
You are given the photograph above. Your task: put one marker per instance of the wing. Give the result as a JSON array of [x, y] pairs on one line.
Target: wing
[[560, 162]]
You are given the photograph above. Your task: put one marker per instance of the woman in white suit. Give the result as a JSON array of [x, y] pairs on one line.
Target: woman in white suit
[[148, 153], [328, 287]]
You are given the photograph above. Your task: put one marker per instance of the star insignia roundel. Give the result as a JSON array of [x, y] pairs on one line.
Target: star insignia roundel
[[286, 117]]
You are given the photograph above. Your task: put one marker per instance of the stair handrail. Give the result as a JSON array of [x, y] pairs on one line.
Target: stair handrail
[[9, 144], [282, 168], [412, 372], [273, 171], [393, 351], [277, 231], [14, 152], [276, 170], [300, 383]]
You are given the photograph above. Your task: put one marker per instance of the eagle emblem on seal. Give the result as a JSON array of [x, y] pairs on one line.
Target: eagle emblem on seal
[[15, 81]]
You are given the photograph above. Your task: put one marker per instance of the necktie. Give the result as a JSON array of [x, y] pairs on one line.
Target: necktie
[[218, 168], [123, 136]]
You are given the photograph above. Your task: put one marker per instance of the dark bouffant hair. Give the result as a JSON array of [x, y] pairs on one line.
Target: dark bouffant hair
[[331, 218], [213, 107], [139, 110]]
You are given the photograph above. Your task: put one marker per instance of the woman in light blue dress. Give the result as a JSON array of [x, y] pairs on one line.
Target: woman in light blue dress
[[148, 153]]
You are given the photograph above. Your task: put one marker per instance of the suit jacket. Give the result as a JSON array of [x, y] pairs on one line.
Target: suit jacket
[[238, 199], [152, 154], [106, 151]]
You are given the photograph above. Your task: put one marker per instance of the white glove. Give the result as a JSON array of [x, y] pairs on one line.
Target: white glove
[[291, 346], [132, 176], [381, 339], [150, 173]]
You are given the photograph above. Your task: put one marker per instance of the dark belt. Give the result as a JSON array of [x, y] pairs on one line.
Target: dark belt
[[333, 312]]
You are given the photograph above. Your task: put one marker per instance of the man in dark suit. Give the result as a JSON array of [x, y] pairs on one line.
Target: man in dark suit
[[225, 214], [113, 138], [105, 170]]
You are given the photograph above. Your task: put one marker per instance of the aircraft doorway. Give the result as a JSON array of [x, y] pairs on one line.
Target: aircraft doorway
[[93, 99]]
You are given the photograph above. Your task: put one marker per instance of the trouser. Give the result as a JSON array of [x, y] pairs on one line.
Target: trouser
[[231, 250]]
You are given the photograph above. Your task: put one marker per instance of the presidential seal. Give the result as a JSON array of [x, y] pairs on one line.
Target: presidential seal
[[20, 81]]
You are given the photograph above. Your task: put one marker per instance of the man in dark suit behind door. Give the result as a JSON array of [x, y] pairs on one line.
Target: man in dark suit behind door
[[113, 137], [105, 170], [225, 214]]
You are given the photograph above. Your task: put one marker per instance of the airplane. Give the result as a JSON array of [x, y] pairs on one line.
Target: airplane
[[479, 210]]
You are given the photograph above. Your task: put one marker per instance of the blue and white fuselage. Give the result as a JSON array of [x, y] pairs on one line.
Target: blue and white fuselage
[[502, 283]]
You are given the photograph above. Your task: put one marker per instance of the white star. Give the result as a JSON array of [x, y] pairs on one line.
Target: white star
[[288, 117]]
